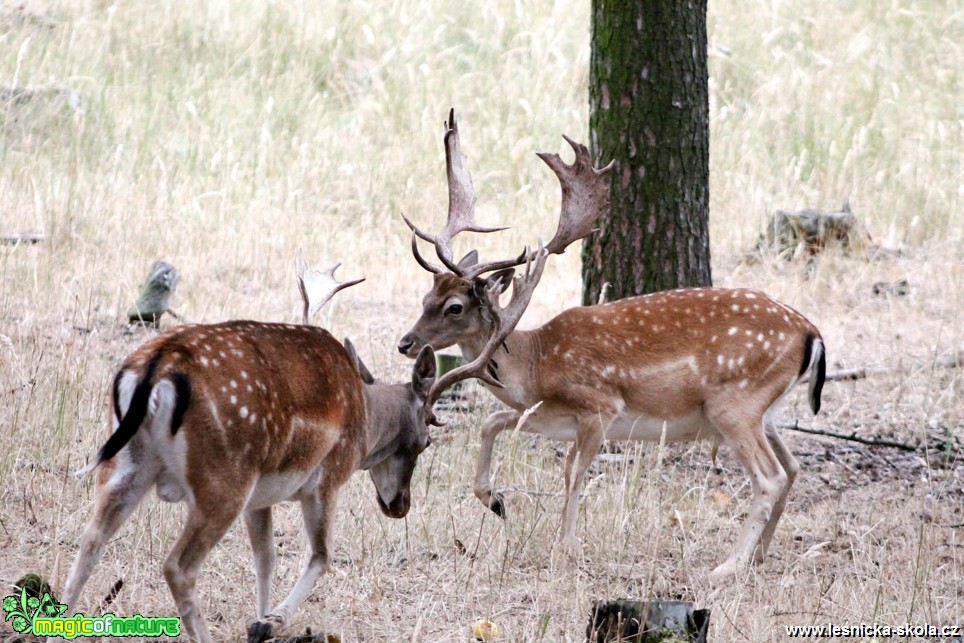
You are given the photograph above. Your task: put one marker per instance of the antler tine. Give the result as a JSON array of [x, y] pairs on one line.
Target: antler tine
[[585, 195], [431, 267], [317, 287], [504, 322]]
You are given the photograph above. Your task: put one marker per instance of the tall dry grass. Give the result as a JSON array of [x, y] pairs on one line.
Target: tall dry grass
[[222, 137]]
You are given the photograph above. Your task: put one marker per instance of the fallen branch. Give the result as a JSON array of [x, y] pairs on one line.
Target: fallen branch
[[853, 437], [24, 238], [954, 360], [846, 374]]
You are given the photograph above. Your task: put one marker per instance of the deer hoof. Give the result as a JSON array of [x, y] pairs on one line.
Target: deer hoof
[[497, 505], [263, 629]]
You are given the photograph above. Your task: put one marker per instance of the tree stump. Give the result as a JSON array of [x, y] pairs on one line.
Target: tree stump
[[155, 297], [656, 621], [810, 231]]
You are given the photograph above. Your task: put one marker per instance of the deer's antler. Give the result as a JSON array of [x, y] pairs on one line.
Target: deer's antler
[[462, 198], [317, 287], [585, 195]]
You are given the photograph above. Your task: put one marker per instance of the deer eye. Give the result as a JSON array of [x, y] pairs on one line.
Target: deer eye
[[454, 309]]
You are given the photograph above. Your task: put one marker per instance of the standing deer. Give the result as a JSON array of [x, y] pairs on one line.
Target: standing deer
[[690, 364], [233, 418]]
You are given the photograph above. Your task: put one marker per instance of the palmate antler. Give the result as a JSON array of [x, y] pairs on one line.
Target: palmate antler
[[317, 287], [585, 196]]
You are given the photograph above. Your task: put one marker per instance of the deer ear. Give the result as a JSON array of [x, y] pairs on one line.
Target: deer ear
[[470, 259], [423, 373], [502, 278], [366, 375]]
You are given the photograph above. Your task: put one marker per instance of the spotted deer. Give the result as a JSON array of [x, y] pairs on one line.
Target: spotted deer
[[235, 417], [689, 364]]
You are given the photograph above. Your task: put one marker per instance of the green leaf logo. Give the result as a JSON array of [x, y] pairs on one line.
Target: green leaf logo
[[21, 610]]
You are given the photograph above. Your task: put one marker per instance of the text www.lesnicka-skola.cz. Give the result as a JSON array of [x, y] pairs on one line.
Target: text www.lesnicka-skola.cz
[[875, 630]]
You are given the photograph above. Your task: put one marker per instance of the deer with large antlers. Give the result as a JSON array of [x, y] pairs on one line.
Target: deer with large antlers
[[233, 418], [690, 364]]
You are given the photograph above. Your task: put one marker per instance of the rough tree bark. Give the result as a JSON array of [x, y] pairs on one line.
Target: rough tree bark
[[649, 110]]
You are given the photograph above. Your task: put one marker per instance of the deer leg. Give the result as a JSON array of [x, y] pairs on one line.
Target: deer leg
[[491, 428], [589, 437], [261, 536], [791, 467], [767, 477], [317, 509], [202, 531], [116, 500]]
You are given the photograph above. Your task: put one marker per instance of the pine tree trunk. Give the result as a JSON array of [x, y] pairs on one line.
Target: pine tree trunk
[[648, 98]]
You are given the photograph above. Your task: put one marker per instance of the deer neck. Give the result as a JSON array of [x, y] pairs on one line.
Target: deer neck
[[516, 367], [383, 404]]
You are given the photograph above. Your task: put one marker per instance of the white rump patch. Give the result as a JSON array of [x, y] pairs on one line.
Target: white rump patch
[[125, 391]]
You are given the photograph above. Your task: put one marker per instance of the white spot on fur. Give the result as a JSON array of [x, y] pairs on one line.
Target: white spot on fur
[[750, 295], [720, 359], [744, 383], [234, 399], [733, 330], [233, 384], [204, 360], [243, 412]]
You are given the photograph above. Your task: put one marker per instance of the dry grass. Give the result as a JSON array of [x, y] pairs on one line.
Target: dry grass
[[221, 137]]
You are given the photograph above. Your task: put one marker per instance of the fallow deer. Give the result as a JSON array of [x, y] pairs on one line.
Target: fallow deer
[[696, 363], [235, 417]]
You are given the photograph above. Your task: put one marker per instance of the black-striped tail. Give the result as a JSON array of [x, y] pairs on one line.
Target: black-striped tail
[[815, 360]]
